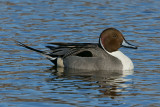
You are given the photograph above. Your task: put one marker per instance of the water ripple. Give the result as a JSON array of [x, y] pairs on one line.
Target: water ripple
[[26, 77]]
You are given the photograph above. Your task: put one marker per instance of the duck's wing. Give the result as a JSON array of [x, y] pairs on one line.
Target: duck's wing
[[68, 49]]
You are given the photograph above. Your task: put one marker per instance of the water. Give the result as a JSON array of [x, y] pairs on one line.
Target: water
[[27, 78]]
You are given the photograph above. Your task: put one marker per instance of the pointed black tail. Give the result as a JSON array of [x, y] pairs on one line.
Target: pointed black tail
[[36, 50], [47, 55]]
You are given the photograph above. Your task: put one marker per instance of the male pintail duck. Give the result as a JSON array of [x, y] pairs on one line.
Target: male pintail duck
[[91, 56]]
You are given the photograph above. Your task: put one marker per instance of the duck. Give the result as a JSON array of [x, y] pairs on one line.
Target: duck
[[104, 55]]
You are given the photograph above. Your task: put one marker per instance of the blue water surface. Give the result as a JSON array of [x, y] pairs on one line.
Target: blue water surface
[[27, 79]]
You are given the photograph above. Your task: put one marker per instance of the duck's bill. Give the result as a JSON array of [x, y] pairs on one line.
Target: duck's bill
[[128, 45]]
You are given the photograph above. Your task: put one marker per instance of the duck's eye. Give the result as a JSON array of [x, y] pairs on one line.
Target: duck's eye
[[114, 36]]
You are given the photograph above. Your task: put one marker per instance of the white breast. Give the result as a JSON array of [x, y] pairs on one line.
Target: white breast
[[126, 62]]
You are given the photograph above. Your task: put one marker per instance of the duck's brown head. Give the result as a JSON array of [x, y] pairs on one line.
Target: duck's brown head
[[112, 39]]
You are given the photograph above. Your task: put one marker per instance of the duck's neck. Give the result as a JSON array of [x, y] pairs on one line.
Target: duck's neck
[[126, 61]]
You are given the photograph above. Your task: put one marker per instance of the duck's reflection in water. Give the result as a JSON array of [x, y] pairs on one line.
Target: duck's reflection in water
[[109, 83]]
